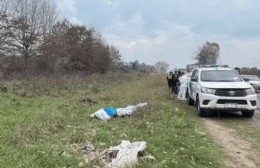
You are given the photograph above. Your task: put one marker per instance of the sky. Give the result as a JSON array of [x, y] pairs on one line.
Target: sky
[[173, 30]]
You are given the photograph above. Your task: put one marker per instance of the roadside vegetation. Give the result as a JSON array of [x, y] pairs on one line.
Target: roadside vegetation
[[46, 126]]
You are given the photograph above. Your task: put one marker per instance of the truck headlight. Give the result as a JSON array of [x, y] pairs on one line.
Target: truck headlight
[[250, 91], [208, 90]]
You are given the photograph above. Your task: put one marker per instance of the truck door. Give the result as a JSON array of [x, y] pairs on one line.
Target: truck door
[[193, 84]]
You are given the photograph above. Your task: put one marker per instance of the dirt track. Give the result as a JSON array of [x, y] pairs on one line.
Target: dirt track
[[240, 151]]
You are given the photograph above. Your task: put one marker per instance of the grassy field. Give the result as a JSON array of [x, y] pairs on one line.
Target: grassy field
[[42, 124]]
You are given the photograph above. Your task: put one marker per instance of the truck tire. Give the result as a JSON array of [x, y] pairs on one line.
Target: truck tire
[[189, 100], [248, 113], [201, 112]]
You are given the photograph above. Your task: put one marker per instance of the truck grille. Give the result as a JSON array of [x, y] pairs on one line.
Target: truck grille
[[231, 92], [223, 101]]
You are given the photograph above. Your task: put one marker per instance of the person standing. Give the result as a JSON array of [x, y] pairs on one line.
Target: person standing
[[184, 81], [175, 82], [178, 82], [170, 80]]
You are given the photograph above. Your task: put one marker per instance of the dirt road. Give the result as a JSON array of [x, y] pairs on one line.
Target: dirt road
[[239, 151]]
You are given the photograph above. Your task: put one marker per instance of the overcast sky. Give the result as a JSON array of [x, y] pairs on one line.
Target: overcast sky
[[173, 30]]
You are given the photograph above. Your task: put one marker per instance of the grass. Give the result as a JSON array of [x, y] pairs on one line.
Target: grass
[[42, 128]]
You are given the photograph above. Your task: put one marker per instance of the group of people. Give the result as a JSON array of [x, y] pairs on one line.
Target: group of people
[[173, 81], [178, 83]]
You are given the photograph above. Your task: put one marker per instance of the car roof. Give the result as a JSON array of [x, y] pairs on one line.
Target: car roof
[[214, 68], [248, 75]]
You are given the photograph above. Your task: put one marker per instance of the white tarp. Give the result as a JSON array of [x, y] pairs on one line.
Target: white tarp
[[105, 114], [129, 109], [127, 154], [101, 114]]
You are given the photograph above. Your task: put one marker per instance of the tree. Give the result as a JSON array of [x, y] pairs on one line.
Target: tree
[[31, 34], [146, 68], [115, 57], [75, 48], [208, 53], [4, 26], [135, 65], [29, 21], [161, 67], [250, 71]]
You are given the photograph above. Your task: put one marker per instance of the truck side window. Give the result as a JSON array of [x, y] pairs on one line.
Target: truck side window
[[194, 76]]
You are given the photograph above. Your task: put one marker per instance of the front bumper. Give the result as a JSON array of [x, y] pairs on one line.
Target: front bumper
[[208, 101]]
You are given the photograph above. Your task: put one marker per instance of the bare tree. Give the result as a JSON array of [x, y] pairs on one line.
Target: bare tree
[[55, 49], [4, 25], [30, 21], [49, 16], [36, 41], [208, 53], [161, 67], [115, 57], [76, 48]]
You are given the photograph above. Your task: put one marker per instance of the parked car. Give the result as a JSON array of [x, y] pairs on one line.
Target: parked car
[[220, 88], [253, 80]]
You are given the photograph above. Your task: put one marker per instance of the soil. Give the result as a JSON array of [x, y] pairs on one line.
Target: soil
[[239, 151]]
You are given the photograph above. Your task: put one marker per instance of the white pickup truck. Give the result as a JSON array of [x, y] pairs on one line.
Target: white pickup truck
[[220, 88]]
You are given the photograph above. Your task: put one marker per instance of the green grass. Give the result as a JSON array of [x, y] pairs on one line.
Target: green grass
[[41, 128]]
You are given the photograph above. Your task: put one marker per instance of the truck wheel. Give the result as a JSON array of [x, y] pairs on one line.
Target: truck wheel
[[248, 114], [189, 100], [201, 112]]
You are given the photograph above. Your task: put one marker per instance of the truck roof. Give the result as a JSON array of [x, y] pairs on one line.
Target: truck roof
[[215, 68]]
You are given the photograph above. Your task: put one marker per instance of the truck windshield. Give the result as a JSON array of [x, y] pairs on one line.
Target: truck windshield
[[220, 76]]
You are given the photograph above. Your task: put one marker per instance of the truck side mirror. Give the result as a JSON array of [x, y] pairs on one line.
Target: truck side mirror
[[245, 79], [194, 79]]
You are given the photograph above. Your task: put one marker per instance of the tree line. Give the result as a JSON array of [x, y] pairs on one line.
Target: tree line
[[35, 41], [250, 71]]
